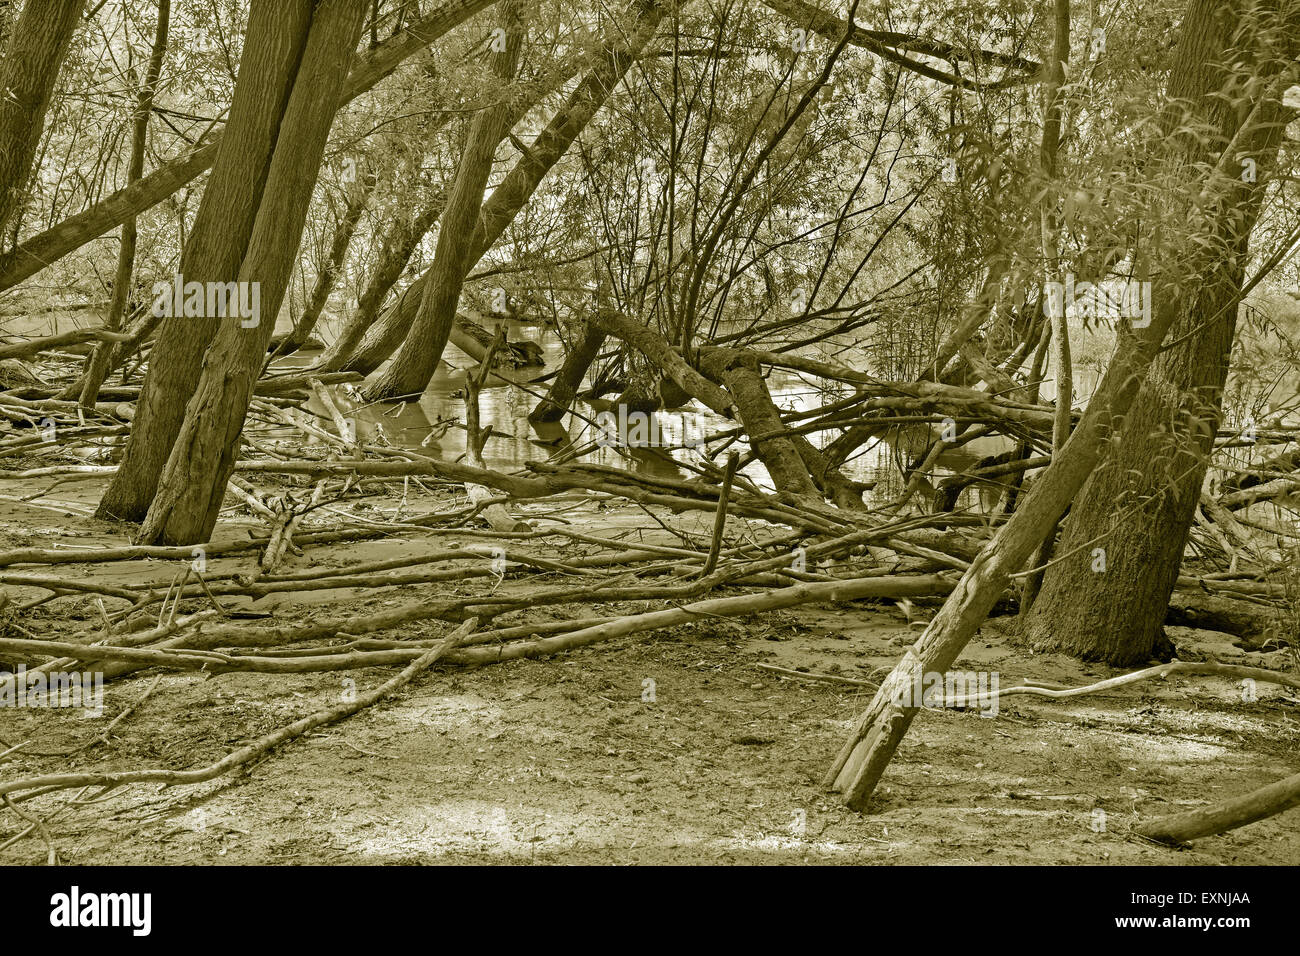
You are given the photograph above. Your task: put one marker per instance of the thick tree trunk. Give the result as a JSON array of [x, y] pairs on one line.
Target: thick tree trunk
[[218, 240], [330, 268], [97, 365], [1109, 604], [793, 458], [1195, 85], [203, 457], [762, 421], [31, 65], [421, 351]]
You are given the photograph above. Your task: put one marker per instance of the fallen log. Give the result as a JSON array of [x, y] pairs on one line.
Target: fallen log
[[1178, 828]]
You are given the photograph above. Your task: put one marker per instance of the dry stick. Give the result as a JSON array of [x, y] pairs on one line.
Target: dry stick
[[927, 585], [891, 586], [347, 429], [1178, 828], [129, 640], [1163, 670], [282, 539], [482, 637], [476, 437], [131, 553], [52, 856], [261, 745], [720, 520], [809, 675], [102, 737]]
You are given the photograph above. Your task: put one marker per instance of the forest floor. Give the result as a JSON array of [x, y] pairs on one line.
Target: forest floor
[[664, 747]]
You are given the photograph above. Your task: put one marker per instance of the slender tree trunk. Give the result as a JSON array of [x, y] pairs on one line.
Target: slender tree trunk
[[51, 245], [31, 65], [421, 351], [276, 37], [202, 459], [1123, 542], [1054, 79], [97, 366], [333, 264], [398, 246], [514, 191]]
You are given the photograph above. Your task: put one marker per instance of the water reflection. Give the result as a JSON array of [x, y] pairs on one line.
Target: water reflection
[[434, 423]]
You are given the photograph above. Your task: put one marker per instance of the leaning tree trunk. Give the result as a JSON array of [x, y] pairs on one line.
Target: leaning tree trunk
[[276, 36], [97, 365], [1123, 542], [564, 387], [399, 244], [329, 271], [421, 351], [1213, 208], [193, 483], [514, 190], [31, 65]]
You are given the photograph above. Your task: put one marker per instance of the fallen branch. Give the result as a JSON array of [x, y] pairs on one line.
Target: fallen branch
[[1178, 828]]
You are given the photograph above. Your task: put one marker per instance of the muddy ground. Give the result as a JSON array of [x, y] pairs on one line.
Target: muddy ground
[[664, 747]]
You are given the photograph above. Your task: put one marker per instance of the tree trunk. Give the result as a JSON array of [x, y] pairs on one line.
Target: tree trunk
[[57, 241], [567, 381], [1106, 599], [1176, 829], [338, 251], [398, 246], [421, 351], [1204, 41], [31, 65], [97, 366], [276, 37], [203, 457], [762, 421]]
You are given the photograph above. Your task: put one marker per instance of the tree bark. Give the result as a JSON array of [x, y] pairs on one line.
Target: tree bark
[[1204, 40], [421, 351], [31, 65], [192, 486], [97, 366], [276, 37], [1142, 502]]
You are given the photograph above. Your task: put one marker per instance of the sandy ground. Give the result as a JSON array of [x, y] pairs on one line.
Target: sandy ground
[[664, 747]]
